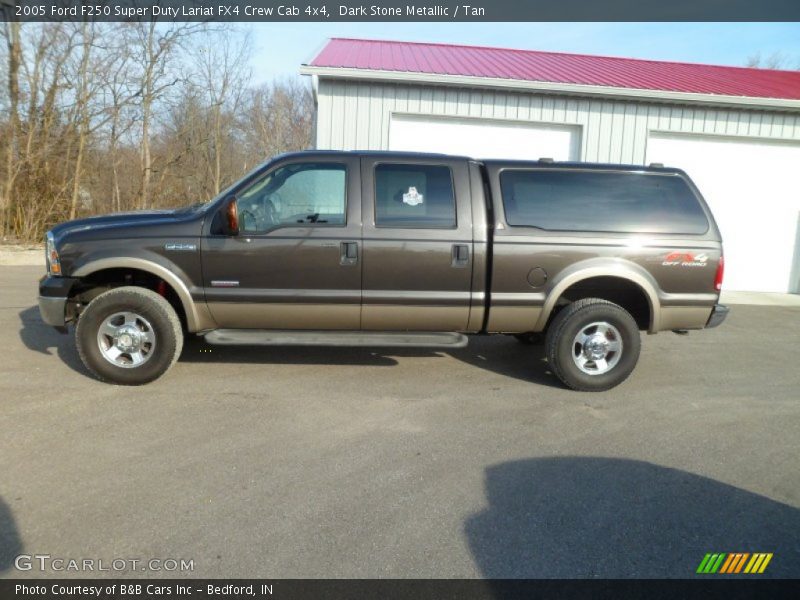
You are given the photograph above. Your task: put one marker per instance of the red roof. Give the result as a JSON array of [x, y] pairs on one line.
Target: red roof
[[555, 67]]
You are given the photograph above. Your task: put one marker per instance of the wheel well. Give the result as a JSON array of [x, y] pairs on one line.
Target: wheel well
[[618, 290], [96, 283]]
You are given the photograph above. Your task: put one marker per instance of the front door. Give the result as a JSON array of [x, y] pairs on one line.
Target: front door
[[296, 261], [417, 270]]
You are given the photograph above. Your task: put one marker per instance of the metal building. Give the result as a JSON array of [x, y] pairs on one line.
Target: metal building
[[736, 131]]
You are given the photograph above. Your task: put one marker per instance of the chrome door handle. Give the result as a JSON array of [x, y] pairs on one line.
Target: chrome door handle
[[460, 255], [348, 253]]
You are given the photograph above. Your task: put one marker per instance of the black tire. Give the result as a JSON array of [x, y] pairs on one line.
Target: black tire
[[530, 339], [160, 316], [573, 319]]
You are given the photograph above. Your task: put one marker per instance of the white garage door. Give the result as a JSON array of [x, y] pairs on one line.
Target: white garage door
[[753, 189], [484, 138]]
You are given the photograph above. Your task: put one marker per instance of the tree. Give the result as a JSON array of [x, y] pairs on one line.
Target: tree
[[110, 116], [278, 117], [158, 52], [221, 76], [14, 50], [776, 60]]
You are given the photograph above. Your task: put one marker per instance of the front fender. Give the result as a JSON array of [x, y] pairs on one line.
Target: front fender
[[197, 318]]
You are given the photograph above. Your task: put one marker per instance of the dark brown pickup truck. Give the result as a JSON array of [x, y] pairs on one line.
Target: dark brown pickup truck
[[390, 249]]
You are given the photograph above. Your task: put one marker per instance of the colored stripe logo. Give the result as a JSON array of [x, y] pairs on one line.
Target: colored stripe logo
[[731, 563]]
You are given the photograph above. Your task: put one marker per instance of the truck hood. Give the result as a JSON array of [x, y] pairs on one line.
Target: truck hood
[[116, 221]]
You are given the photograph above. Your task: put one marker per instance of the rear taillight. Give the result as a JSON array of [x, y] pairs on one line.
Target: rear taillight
[[720, 274]]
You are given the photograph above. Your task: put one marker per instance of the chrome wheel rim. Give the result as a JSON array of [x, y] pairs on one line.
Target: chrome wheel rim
[[126, 340], [597, 348]]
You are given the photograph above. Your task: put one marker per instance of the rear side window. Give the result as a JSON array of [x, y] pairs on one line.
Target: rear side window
[[601, 201], [414, 196]]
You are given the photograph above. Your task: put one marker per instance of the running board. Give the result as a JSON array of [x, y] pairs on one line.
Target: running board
[[266, 337]]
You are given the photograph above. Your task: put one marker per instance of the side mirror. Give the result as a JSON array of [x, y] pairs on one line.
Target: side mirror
[[231, 216]]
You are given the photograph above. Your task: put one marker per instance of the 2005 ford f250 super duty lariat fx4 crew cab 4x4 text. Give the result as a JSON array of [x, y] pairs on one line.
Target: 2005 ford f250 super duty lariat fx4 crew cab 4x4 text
[[391, 249]]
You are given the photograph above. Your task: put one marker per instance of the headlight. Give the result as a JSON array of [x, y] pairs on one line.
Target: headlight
[[51, 255]]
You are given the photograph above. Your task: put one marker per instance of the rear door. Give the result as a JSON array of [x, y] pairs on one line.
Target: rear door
[[417, 238]]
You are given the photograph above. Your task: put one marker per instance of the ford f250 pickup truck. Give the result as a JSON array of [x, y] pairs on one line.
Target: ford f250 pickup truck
[[392, 249]]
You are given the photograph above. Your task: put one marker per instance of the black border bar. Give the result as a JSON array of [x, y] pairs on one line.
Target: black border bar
[[400, 10], [706, 587]]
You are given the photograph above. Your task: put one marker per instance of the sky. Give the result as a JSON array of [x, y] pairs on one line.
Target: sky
[[279, 49]]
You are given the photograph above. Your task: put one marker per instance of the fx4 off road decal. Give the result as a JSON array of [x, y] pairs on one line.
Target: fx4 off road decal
[[685, 259]]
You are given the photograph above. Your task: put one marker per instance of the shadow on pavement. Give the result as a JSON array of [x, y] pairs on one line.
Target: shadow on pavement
[[585, 517], [40, 337], [499, 354], [10, 543]]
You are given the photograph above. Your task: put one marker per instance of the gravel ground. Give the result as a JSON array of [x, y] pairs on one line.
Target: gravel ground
[[21, 254]]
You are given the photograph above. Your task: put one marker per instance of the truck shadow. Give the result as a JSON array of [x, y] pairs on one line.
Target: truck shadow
[[42, 338], [590, 517], [500, 354], [10, 543]]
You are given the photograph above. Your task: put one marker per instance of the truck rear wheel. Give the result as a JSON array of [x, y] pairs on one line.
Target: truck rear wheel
[[129, 335], [593, 345]]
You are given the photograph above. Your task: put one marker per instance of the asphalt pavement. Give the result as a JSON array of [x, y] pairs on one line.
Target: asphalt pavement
[[327, 462]]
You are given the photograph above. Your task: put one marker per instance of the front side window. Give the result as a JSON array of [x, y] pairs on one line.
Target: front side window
[[304, 194], [601, 201], [414, 196]]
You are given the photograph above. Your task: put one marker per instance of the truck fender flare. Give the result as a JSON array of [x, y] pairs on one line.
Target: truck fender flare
[[193, 319], [603, 268]]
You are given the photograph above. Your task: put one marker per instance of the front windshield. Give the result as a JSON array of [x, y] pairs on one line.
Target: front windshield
[[226, 191]]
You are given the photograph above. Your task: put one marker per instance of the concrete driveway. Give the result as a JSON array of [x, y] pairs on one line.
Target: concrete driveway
[[289, 462]]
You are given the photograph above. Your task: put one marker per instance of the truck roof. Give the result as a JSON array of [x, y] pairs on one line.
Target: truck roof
[[544, 161]]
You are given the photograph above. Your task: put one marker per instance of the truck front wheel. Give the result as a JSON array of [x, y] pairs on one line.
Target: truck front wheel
[[129, 335], [593, 345]]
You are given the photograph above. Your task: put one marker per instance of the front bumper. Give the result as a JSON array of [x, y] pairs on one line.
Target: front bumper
[[53, 298], [53, 310], [718, 315]]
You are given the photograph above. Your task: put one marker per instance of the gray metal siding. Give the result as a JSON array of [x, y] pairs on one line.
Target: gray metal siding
[[356, 115]]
